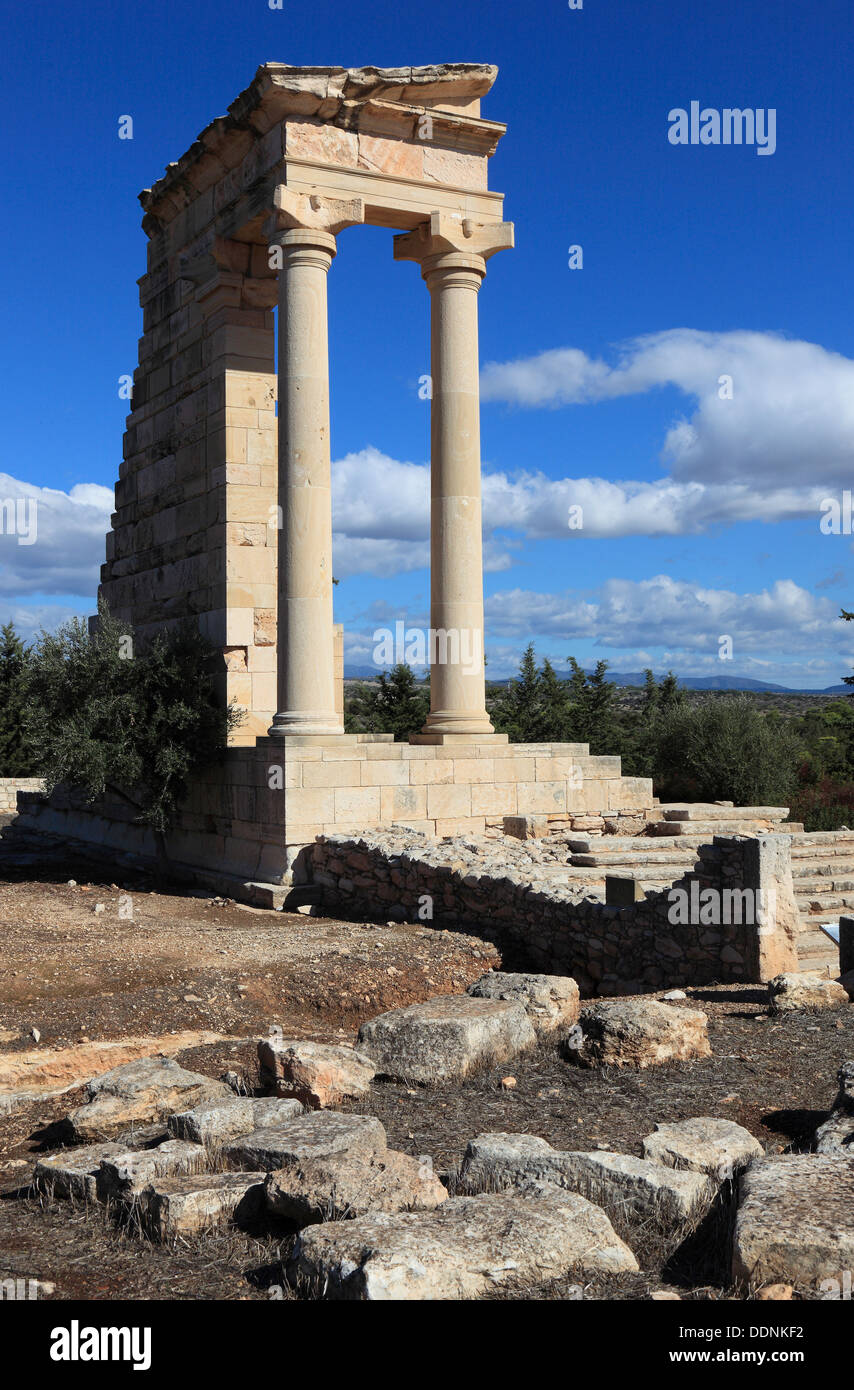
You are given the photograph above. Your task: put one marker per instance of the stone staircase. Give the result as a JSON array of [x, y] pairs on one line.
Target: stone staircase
[[822, 864]]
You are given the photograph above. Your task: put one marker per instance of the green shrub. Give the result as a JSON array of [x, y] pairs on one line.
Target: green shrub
[[724, 749]]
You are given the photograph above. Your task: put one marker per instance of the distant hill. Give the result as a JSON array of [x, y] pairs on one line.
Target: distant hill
[[722, 682]]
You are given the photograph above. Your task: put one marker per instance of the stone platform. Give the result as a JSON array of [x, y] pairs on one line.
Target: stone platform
[[247, 821]]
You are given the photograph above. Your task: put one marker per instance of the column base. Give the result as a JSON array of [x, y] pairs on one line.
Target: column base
[[286, 725], [441, 738]]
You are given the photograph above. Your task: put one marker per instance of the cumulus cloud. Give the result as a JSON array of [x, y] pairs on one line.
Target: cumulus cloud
[[52, 542], [772, 429]]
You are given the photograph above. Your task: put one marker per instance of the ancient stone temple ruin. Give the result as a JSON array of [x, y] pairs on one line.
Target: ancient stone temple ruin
[[223, 506]]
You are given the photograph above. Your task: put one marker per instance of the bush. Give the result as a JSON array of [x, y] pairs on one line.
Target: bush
[[724, 749], [16, 756], [104, 716]]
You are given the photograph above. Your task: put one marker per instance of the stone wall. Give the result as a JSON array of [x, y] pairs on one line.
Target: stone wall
[[9, 788], [547, 926], [248, 819]]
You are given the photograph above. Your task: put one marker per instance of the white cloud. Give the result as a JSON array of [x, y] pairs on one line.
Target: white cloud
[[56, 543]]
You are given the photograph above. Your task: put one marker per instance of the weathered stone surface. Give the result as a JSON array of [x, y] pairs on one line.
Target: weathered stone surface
[[342, 1186], [550, 1001], [795, 1222], [788, 993], [187, 1205], [446, 1038], [703, 1144], [321, 1134], [316, 1074], [123, 1175], [72, 1172], [140, 1092], [647, 1189], [462, 1249], [640, 1033], [836, 1135], [219, 1120]]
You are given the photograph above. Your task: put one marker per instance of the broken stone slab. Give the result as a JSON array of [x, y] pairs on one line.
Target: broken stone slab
[[139, 1093], [634, 1185], [316, 1074], [836, 1135], [343, 1186], [550, 1001], [789, 993], [218, 1120], [121, 1176], [72, 1172], [446, 1038], [320, 1134], [703, 1144], [189, 1204], [639, 1033], [464, 1248], [795, 1221]]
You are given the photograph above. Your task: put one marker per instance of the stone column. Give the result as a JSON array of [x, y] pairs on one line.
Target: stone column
[[452, 254], [304, 228]]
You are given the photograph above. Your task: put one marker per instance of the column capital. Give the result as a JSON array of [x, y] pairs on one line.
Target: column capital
[[448, 234], [310, 212]]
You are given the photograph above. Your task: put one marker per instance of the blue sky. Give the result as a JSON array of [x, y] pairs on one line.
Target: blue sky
[[600, 385]]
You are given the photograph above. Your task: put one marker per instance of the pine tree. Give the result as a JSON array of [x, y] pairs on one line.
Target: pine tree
[[15, 755], [399, 705]]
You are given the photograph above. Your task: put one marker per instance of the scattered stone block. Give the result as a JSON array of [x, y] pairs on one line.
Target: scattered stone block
[[123, 1175], [461, 1250], [321, 1134], [836, 1135], [219, 1120], [316, 1074], [623, 890], [447, 1038], [704, 1144], [72, 1172], [526, 827], [795, 1221], [550, 1001], [343, 1186], [138, 1093], [789, 993], [640, 1033], [187, 1205], [635, 1185]]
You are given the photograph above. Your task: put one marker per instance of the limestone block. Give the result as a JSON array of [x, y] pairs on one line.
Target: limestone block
[[445, 1038], [403, 803], [356, 803], [460, 1250], [795, 1221], [641, 1033], [189, 1204], [430, 770], [490, 800], [704, 1144], [316, 1074], [542, 798], [319, 1134], [342, 1186], [450, 801], [384, 773], [138, 1093], [550, 1001]]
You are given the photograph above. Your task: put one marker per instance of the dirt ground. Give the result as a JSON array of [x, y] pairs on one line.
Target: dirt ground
[[186, 964]]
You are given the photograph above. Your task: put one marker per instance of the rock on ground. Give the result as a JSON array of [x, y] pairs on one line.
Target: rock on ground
[[551, 1001], [616, 1180], [72, 1172], [788, 993], [795, 1221], [320, 1134], [138, 1093], [640, 1033], [462, 1249], [447, 1038], [219, 1120], [342, 1186], [186, 1205], [836, 1135], [704, 1144], [123, 1175], [316, 1074]]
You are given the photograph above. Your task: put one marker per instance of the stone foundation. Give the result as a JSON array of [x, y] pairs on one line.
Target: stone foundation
[[550, 928], [248, 819], [9, 788]]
